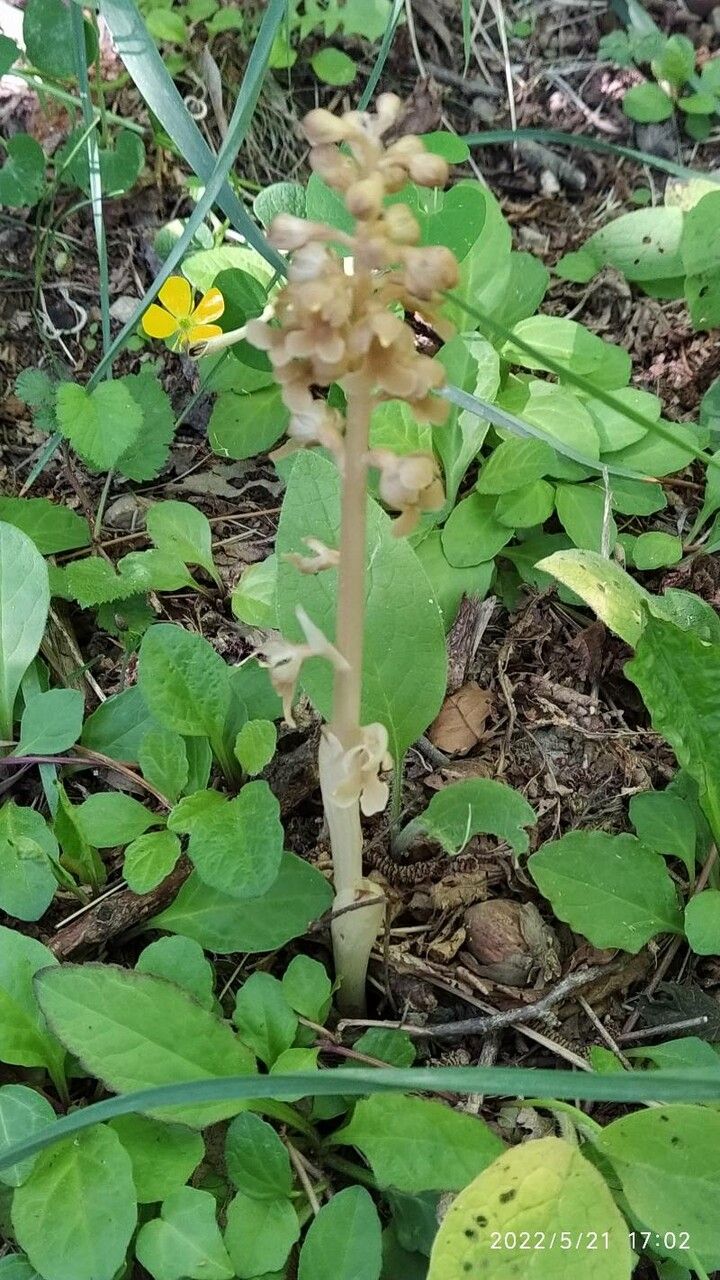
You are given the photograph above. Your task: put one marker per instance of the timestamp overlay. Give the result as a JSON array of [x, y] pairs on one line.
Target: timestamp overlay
[[544, 1210]]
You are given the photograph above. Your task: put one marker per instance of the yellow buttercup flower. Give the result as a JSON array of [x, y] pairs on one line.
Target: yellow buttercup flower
[[178, 319]]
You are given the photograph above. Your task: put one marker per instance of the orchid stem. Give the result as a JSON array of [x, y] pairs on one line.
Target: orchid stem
[[354, 934]]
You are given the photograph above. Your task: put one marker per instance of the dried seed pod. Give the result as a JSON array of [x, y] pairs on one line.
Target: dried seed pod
[[510, 941]]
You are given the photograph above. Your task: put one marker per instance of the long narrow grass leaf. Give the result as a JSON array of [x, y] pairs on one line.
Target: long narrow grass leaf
[[494, 331], [93, 156], [137, 49], [498, 417], [216, 180], [383, 51], [628, 1087], [495, 137]]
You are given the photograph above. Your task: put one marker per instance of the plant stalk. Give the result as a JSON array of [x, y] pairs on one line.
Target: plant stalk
[[355, 933]]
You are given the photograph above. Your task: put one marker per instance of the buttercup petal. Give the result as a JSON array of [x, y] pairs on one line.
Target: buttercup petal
[[176, 297], [203, 332], [158, 323], [209, 308]]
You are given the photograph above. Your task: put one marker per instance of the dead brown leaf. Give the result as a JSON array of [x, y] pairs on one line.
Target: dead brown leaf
[[461, 722]]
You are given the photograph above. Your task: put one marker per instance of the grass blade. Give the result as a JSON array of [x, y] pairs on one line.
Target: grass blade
[[215, 185], [630, 1086], [383, 52], [498, 417], [93, 155], [138, 51], [495, 137], [496, 332]]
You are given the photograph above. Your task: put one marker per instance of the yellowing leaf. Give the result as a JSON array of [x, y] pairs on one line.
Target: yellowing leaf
[[543, 1191]]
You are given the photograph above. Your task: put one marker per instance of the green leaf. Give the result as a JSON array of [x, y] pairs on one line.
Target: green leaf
[[581, 512], [573, 346], [448, 583], [185, 1241], [22, 177], [111, 818], [527, 507], [76, 1214], [145, 459], [243, 426], [700, 243], [149, 859], [579, 267], [544, 1191], [472, 534], [51, 722], [464, 809], [613, 889], [259, 1234], [199, 758], [101, 425], [120, 162], [257, 1161], [405, 698], [472, 364], [255, 745], [28, 850], [448, 145], [687, 1052], [654, 550], [666, 1160], [48, 36], [25, 1039], [394, 427], [699, 104], [307, 988], [184, 682], [391, 1046], [635, 497], [513, 464], [182, 961], [23, 1112], [678, 676], [162, 756], [643, 245], [264, 1018], [168, 26], [414, 1145], [332, 66], [184, 531], [676, 61], [238, 847], [299, 895], [615, 431], [344, 1240], [647, 103], [9, 53], [666, 823], [52, 528], [702, 922], [94, 580], [24, 606], [163, 1156], [279, 197], [253, 598], [118, 726], [660, 455], [556, 411], [133, 1030], [78, 855]]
